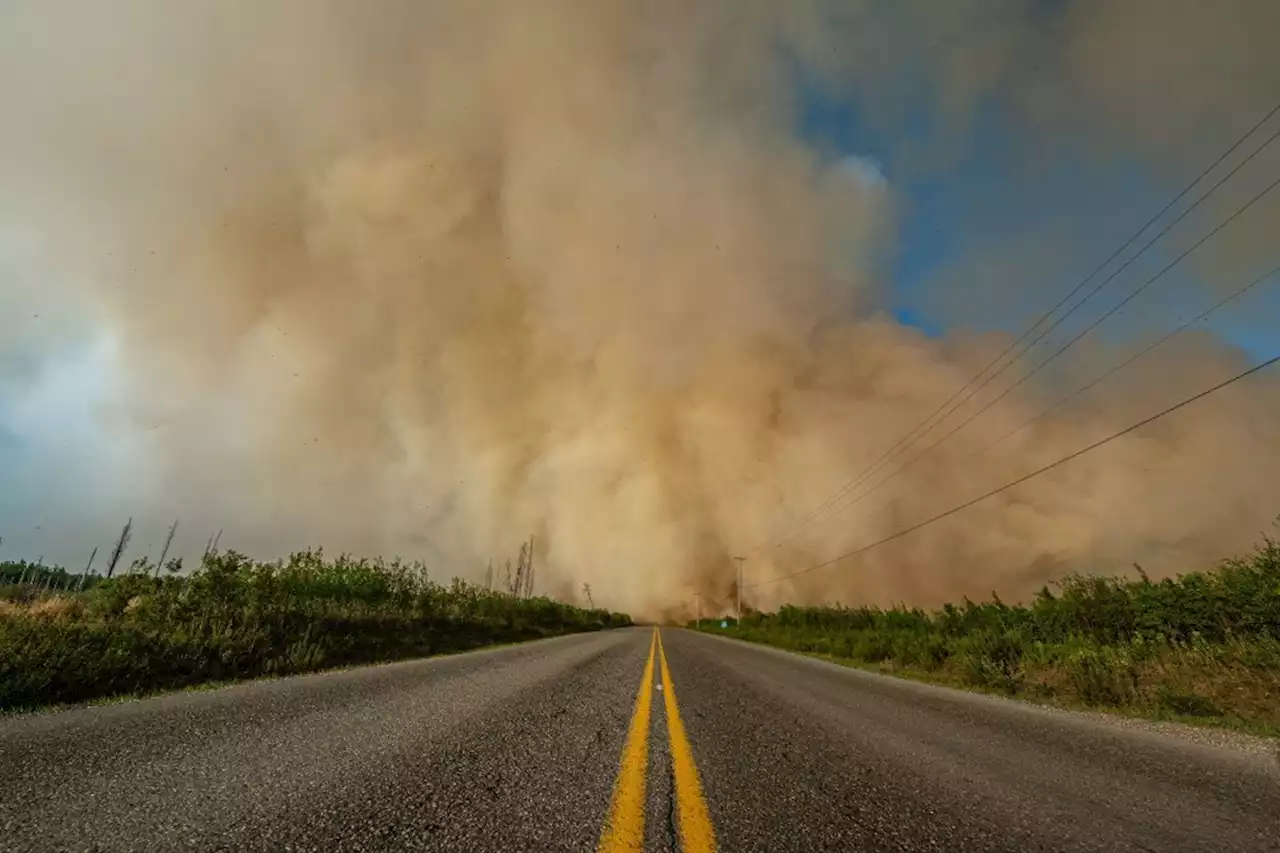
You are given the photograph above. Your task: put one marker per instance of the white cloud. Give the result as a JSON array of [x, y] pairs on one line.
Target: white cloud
[[867, 171]]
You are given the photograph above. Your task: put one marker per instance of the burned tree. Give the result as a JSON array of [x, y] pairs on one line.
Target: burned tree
[[121, 544]]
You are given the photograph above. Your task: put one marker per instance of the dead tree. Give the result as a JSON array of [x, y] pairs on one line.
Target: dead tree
[[528, 570], [520, 570], [121, 544], [164, 552], [84, 576], [211, 547]]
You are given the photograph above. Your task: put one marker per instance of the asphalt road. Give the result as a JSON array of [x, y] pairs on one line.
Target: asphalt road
[[542, 747]]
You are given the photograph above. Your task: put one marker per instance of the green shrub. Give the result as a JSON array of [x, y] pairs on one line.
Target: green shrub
[[1186, 703], [993, 658], [1218, 629], [1103, 675], [872, 646], [236, 618], [925, 650]]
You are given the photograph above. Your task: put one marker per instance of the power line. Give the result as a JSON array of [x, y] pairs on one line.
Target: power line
[[1097, 288], [989, 404], [924, 426], [862, 478], [1110, 372], [1131, 359], [1024, 478]]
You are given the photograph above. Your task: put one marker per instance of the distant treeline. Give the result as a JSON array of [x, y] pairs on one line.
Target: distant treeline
[[39, 577], [239, 618]]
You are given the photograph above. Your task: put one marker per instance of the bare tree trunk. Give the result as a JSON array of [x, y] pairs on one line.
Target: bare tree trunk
[[121, 544], [211, 546], [164, 552], [520, 571], [528, 570], [85, 575]]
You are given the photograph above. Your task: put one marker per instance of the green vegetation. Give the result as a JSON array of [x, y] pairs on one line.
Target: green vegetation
[[21, 580], [236, 618], [1204, 646]]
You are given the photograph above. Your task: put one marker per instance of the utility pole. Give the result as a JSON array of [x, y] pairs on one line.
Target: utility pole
[[698, 596], [586, 587], [740, 560]]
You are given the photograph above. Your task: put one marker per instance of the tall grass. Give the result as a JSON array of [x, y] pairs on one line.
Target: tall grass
[[1205, 644], [239, 618]]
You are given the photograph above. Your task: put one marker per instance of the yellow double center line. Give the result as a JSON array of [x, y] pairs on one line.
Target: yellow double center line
[[624, 830]]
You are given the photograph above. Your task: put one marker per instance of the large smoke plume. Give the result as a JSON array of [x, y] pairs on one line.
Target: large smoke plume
[[429, 277]]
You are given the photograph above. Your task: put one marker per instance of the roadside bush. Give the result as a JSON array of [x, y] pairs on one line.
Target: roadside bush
[[1203, 644], [1189, 704], [236, 618], [993, 658], [1103, 675], [872, 646], [925, 650]]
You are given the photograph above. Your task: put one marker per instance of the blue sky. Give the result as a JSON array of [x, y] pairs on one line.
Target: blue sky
[[987, 201]]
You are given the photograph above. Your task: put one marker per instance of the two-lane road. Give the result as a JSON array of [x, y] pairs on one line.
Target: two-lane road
[[615, 741]]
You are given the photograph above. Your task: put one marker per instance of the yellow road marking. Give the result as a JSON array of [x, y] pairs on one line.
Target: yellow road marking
[[624, 831], [693, 817]]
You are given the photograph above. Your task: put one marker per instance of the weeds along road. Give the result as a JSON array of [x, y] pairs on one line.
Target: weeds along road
[[616, 741]]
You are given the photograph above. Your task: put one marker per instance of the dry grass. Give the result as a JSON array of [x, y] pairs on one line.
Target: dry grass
[[57, 607], [53, 608]]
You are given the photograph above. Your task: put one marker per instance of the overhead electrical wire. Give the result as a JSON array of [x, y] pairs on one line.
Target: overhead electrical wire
[[1222, 303], [1024, 478], [1226, 300], [959, 398], [901, 446], [973, 416]]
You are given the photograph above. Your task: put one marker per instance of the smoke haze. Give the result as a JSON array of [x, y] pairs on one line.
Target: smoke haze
[[425, 278]]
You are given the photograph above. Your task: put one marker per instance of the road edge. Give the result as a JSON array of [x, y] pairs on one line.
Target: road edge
[[1203, 733]]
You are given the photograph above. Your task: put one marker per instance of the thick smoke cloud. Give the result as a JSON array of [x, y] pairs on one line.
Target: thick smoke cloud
[[427, 278]]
